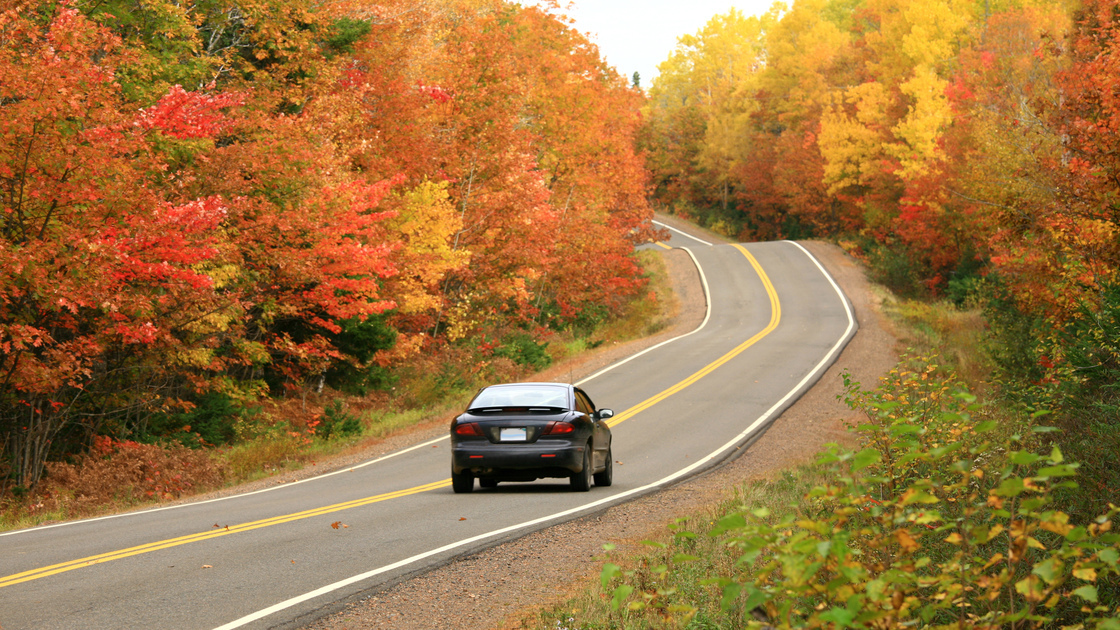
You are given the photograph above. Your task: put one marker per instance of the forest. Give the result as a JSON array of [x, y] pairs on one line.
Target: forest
[[225, 226], [966, 151], [205, 205], [210, 210]]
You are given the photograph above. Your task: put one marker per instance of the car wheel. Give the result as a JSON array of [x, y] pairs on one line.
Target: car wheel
[[581, 481], [462, 483], [605, 477], [488, 483]]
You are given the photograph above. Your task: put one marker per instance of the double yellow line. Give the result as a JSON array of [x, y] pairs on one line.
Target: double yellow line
[[775, 318], [54, 569]]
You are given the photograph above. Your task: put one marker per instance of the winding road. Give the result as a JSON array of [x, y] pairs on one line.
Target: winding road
[[775, 322]]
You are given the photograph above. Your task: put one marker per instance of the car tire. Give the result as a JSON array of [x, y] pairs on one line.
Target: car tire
[[462, 483], [605, 477], [488, 483], [581, 481]]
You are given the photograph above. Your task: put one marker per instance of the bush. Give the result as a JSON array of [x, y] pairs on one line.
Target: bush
[[337, 422], [126, 472], [361, 341], [522, 349], [210, 422], [939, 520]]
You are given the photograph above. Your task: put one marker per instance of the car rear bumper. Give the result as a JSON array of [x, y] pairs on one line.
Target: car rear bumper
[[540, 459]]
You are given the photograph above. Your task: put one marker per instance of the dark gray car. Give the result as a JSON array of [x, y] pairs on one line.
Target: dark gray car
[[528, 431]]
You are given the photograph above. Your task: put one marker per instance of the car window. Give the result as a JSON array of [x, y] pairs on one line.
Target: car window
[[521, 396], [583, 403]]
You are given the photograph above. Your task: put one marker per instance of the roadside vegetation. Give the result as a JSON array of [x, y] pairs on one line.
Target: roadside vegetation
[[966, 153], [292, 434], [956, 509], [252, 230]]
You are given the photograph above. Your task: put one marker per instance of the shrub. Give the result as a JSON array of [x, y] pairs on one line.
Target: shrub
[[337, 422], [523, 349], [938, 520], [211, 421], [361, 341], [126, 472]]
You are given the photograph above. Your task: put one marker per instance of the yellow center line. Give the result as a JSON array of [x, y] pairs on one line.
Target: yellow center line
[[660, 244], [34, 574], [775, 317]]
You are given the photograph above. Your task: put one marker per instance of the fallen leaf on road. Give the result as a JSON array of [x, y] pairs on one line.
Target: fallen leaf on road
[[462, 518], [336, 524], [207, 566]]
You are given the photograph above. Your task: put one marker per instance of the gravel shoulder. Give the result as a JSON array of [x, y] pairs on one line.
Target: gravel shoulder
[[504, 586]]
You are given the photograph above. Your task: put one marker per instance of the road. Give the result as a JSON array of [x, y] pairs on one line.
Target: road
[[775, 321]]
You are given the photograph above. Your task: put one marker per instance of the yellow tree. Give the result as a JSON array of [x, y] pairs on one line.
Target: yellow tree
[[699, 104]]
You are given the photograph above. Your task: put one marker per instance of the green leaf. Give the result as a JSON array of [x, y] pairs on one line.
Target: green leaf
[[684, 557], [986, 426], [730, 594], [842, 617], [731, 521], [1056, 455], [1065, 470], [1048, 570], [755, 597], [1109, 556], [864, 458], [608, 573], [620, 595], [1087, 592], [1024, 458], [1012, 487]]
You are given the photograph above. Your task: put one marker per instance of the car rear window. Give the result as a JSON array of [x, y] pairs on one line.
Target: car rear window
[[528, 396]]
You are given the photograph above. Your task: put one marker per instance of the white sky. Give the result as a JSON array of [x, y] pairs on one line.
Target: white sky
[[636, 35]]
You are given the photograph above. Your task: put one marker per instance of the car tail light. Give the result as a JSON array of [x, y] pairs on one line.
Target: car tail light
[[468, 428], [557, 428]]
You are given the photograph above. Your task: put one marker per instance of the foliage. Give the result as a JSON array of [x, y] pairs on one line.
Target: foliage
[[939, 520], [126, 473], [206, 423], [522, 349], [337, 422], [213, 203]]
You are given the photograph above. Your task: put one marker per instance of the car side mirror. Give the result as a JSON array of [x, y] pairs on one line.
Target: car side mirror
[[605, 413]]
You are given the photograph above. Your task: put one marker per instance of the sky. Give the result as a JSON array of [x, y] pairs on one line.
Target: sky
[[636, 35]]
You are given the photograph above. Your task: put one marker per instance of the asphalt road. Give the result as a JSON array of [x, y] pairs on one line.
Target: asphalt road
[[270, 558]]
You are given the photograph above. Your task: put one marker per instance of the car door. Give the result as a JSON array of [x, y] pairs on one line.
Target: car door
[[600, 433]]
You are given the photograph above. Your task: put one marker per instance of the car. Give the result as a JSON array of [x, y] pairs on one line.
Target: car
[[530, 431]]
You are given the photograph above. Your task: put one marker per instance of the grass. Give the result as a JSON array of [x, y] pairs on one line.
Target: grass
[[957, 336]]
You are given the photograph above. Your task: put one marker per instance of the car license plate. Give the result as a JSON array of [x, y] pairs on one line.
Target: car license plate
[[513, 434]]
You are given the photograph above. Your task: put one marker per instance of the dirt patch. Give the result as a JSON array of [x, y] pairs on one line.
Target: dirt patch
[[502, 587]]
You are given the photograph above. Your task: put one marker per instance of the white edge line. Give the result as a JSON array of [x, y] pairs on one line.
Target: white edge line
[[669, 227], [232, 496], [762, 420], [707, 316]]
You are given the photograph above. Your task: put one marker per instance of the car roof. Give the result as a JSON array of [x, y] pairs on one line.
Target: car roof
[[529, 384]]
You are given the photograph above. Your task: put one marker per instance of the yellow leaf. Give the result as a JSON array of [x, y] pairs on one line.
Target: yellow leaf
[[906, 541], [1087, 573]]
